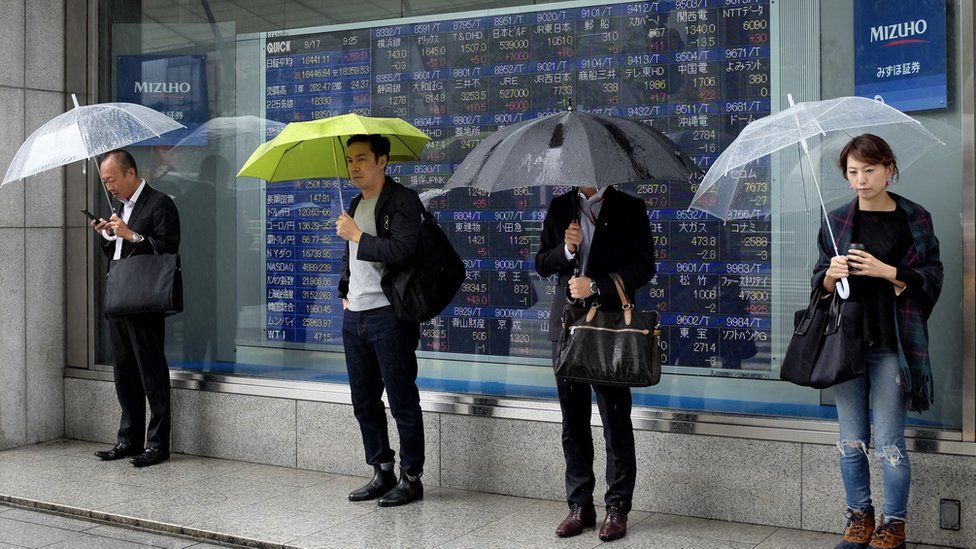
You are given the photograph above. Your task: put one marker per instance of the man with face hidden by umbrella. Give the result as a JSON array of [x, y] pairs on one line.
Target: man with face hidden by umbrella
[[599, 232], [382, 230], [148, 218]]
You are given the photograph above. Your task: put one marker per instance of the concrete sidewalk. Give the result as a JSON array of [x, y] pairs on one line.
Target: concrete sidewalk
[[213, 500], [25, 528]]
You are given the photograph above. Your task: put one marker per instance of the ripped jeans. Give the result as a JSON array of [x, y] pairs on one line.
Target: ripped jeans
[[888, 404]]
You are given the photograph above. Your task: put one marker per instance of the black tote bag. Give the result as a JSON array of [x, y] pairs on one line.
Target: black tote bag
[[826, 347], [146, 283], [615, 348]]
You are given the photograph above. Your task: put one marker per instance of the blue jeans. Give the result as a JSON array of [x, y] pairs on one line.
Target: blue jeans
[[381, 354], [881, 389]]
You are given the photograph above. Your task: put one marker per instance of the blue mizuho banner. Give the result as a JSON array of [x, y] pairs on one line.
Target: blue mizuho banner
[[173, 85], [900, 52]]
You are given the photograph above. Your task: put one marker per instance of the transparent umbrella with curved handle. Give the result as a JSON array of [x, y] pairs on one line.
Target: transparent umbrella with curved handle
[[814, 128], [84, 132]]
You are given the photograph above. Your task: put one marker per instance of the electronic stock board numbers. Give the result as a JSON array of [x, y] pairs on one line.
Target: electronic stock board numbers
[[698, 70]]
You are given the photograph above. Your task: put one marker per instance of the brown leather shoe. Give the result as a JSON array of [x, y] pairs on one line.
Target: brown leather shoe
[[578, 519], [615, 525], [890, 535], [860, 528]]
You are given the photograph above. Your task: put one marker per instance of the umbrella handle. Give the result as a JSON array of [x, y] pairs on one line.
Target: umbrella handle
[[843, 288], [98, 170], [576, 273]]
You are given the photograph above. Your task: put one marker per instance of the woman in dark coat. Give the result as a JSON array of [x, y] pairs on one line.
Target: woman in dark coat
[[897, 278]]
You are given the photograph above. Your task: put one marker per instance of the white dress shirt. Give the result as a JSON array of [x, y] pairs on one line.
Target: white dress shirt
[[589, 210], [127, 206]]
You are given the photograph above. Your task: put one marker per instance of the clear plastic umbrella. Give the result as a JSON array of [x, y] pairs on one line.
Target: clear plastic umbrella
[[817, 128], [84, 132], [232, 127], [237, 133]]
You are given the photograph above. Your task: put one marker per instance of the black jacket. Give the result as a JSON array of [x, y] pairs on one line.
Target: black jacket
[[621, 244], [399, 213], [156, 218]]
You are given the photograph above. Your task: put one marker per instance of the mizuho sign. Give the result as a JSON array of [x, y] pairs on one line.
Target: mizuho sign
[[908, 29], [162, 87]]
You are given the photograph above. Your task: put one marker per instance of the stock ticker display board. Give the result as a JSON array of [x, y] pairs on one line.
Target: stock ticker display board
[[698, 70]]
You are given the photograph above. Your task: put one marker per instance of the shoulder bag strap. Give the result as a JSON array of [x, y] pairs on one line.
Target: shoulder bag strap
[[815, 296]]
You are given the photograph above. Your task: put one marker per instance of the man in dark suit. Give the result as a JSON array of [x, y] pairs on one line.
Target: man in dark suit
[[589, 233], [149, 220]]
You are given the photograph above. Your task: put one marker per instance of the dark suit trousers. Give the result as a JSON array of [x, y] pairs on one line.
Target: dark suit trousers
[[614, 403], [141, 374]]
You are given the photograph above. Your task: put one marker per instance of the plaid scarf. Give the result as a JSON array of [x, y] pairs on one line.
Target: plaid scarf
[[921, 269]]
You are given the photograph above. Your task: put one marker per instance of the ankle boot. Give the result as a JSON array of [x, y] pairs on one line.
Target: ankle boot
[[890, 535], [860, 528], [382, 482], [406, 491]]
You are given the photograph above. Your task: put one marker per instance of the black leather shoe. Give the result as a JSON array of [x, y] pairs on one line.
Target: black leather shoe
[[404, 492], [382, 482], [118, 451], [152, 456]]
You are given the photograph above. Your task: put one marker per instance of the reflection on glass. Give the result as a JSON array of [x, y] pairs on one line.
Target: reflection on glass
[[261, 260]]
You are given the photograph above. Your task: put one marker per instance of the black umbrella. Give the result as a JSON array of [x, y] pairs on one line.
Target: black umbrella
[[572, 148]]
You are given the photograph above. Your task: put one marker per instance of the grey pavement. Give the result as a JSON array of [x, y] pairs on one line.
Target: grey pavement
[[260, 505], [28, 528]]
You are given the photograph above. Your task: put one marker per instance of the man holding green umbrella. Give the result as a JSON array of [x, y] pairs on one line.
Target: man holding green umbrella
[[381, 230]]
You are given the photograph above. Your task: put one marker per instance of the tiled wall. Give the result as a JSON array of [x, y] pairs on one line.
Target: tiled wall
[[765, 482], [32, 231]]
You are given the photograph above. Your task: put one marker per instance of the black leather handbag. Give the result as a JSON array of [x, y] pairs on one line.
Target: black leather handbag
[[146, 283], [826, 346], [615, 348]]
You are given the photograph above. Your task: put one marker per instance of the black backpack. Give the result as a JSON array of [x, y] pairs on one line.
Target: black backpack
[[423, 288]]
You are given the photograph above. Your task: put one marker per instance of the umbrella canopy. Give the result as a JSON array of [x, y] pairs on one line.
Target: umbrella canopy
[[84, 132], [317, 148], [572, 148], [232, 127], [817, 130], [226, 135]]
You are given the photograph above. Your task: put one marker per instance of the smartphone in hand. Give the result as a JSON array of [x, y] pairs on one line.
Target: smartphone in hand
[[89, 215]]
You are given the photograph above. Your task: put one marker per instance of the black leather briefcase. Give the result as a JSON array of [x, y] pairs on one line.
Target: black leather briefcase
[[616, 348], [147, 283]]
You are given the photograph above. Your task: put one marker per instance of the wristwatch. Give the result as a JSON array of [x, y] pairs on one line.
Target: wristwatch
[[594, 289], [136, 238]]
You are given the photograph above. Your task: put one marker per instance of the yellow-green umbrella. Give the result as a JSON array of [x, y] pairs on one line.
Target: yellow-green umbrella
[[317, 148]]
